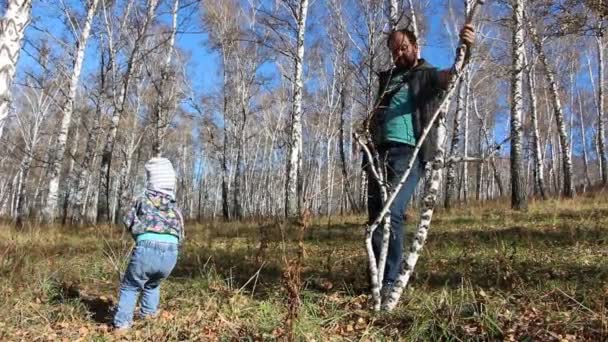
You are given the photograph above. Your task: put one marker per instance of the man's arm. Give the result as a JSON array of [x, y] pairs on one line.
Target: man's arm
[[467, 36]]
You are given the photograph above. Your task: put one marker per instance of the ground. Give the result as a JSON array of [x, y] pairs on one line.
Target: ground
[[486, 273]]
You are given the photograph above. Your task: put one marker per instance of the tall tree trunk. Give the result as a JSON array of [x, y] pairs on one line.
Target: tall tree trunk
[[539, 172], [480, 166], [433, 186], [414, 24], [518, 189], [50, 210], [24, 170], [104, 210], [225, 142], [393, 13], [83, 177], [450, 186], [70, 178], [465, 147], [12, 29], [164, 95], [601, 133], [568, 190], [238, 169], [583, 141], [345, 176], [293, 184]]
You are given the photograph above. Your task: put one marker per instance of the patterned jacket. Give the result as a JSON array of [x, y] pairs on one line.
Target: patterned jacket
[[155, 212]]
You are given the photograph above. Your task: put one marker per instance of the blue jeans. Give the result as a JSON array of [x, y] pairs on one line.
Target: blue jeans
[[395, 158], [151, 262]]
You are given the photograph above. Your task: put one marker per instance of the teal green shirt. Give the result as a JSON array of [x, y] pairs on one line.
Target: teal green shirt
[[397, 123], [157, 237]]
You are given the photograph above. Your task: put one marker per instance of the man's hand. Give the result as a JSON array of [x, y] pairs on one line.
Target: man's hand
[[467, 35]]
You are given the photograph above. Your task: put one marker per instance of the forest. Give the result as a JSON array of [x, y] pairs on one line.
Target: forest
[[263, 109]]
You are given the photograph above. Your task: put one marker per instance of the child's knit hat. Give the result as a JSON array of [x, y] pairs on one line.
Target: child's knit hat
[[160, 176]]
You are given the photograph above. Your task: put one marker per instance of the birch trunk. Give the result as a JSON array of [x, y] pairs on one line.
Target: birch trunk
[[293, 184], [450, 188], [465, 147], [414, 24], [163, 96], [83, 177], [344, 166], [50, 210], [433, 186], [583, 142], [568, 186], [393, 13], [601, 130], [12, 29], [104, 209], [24, 169], [518, 188], [539, 172]]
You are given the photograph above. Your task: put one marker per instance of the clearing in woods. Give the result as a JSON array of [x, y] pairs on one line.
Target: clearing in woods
[[487, 273]]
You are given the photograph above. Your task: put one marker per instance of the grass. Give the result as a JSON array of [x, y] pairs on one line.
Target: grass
[[487, 273]]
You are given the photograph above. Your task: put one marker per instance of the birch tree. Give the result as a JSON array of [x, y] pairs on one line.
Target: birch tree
[[539, 172], [38, 95], [50, 210], [568, 186], [601, 130], [165, 88], [293, 186], [119, 96], [393, 13], [285, 35], [12, 29], [436, 123], [519, 199]]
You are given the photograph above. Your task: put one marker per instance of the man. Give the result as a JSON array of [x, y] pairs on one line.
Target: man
[[408, 95]]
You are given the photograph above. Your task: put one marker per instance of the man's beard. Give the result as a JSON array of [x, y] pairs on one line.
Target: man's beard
[[405, 62]]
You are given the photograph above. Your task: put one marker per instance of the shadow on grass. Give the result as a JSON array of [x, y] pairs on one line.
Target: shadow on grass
[[236, 263], [558, 236], [508, 275], [100, 308]]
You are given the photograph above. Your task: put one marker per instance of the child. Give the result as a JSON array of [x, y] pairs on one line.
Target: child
[[157, 226]]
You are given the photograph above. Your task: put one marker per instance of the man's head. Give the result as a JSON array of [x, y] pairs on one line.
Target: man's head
[[404, 48]]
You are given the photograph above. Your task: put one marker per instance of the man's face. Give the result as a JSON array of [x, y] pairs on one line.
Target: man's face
[[404, 52]]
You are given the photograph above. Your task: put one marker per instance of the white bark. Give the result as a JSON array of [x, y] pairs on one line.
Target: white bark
[[451, 166], [414, 24], [164, 95], [50, 210], [12, 29], [39, 103], [568, 186], [539, 172], [105, 188], [393, 13], [584, 142], [601, 133], [518, 188], [465, 147], [294, 162], [437, 122]]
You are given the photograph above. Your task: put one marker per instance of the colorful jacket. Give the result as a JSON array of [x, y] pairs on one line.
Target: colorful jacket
[[155, 212]]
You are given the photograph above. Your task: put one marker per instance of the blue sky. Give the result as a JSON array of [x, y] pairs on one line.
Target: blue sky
[[204, 65]]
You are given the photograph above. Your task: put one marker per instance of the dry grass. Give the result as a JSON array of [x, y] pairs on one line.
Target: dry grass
[[487, 273]]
